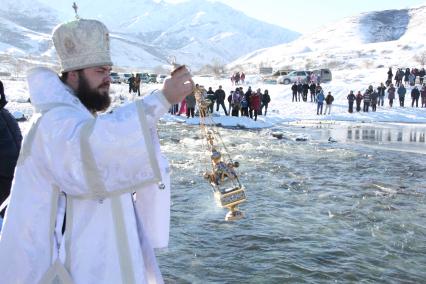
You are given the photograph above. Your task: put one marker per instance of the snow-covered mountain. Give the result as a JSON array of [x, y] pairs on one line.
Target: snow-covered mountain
[[382, 38], [144, 33]]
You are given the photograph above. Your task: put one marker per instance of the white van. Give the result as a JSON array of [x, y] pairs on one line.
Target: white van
[[324, 75]]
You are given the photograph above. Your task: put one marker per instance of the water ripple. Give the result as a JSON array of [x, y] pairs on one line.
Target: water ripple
[[317, 212]]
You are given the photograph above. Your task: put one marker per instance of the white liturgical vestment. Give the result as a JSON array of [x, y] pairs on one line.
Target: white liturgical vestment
[[101, 175]]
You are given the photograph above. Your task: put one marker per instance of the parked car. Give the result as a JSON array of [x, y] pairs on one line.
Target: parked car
[[115, 78], [324, 75], [294, 76], [125, 77], [152, 78], [144, 77], [272, 79], [282, 72], [161, 78]]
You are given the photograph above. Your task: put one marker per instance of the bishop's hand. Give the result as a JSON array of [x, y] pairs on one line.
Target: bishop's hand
[[178, 85]]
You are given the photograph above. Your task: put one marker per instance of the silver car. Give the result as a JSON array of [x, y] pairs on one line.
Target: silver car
[[295, 76], [115, 78]]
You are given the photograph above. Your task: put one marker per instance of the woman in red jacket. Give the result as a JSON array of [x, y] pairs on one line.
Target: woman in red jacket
[[255, 100]]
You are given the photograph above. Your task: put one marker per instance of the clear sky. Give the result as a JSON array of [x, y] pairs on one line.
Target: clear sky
[[301, 15]]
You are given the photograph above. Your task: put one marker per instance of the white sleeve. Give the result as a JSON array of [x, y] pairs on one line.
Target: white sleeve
[[110, 154]]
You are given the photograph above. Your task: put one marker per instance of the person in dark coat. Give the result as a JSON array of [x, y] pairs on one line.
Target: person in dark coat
[[266, 99], [358, 100], [246, 106], [300, 91], [401, 95], [137, 85], [190, 105], [415, 95], [381, 93], [422, 74], [3, 100], [230, 102], [131, 82], [374, 97], [220, 99], [305, 88], [423, 95], [367, 98], [391, 94], [407, 76], [10, 145], [212, 98], [390, 74], [294, 91], [396, 78], [312, 89], [328, 102], [351, 98]]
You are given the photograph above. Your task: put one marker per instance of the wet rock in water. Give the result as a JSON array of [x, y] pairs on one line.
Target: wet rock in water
[[301, 139], [277, 135], [332, 140], [175, 140], [241, 126]]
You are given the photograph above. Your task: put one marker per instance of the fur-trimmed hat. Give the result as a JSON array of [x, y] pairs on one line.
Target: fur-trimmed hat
[[82, 44]]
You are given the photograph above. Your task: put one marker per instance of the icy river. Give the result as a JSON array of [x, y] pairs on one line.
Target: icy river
[[329, 202]]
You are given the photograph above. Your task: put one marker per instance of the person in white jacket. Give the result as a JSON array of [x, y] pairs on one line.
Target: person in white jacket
[[104, 174]]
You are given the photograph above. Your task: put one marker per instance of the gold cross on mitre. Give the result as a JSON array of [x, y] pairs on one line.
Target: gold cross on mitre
[[75, 7]]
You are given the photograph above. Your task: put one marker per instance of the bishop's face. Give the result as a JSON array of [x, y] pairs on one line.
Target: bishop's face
[[93, 88]]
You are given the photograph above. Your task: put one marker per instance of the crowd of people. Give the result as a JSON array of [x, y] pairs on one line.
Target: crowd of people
[[250, 103], [312, 87], [134, 84], [376, 97], [238, 78], [405, 82], [408, 75]]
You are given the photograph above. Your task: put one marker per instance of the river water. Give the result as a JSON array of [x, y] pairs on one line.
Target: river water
[[346, 205]]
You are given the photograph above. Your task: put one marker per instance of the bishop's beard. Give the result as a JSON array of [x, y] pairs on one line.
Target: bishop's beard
[[92, 98]]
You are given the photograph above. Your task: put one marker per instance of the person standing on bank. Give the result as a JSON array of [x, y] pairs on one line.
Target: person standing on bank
[[294, 91], [105, 173], [367, 98], [190, 105], [131, 82], [220, 99], [381, 93], [374, 96], [328, 102], [266, 99], [423, 95], [358, 100], [415, 95], [320, 100], [351, 99], [401, 95], [391, 94]]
